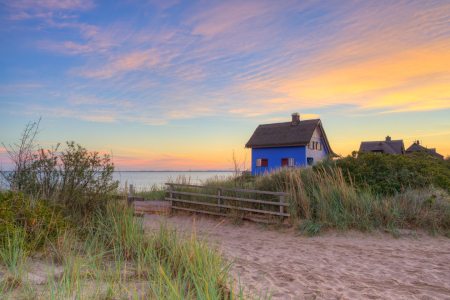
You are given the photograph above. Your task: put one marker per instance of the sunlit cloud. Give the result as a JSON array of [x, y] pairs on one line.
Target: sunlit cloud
[[146, 152], [302, 117], [392, 76], [173, 62], [124, 163]]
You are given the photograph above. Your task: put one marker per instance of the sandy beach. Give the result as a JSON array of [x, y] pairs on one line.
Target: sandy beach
[[333, 266]]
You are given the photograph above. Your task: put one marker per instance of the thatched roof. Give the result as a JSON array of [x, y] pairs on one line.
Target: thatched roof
[[286, 134], [393, 147], [417, 147], [283, 134]]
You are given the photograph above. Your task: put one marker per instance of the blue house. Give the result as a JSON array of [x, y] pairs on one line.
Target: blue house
[[288, 144]]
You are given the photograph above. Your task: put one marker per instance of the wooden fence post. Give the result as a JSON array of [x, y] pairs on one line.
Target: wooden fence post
[[130, 196], [218, 199], [281, 206], [171, 197]]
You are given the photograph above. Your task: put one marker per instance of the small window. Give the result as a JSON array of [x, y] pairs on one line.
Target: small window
[[311, 145], [317, 146], [310, 161], [321, 146], [284, 162], [291, 162], [258, 162], [264, 162]]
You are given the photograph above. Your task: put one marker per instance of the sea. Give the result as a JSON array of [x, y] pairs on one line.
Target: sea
[[147, 179]]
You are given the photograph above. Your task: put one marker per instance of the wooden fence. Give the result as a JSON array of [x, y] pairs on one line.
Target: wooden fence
[[220, 197]]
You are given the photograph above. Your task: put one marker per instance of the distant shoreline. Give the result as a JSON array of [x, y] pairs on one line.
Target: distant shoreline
[[163, 171], [178, 171]]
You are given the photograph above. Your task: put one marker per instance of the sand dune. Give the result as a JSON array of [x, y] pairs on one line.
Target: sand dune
[[333, 266]]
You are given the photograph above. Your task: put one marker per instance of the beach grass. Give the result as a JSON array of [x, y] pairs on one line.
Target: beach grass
[[114, 257], [328, 198]]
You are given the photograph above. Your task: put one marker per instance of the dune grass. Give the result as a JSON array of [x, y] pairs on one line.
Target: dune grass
[[327, 198], [113, 257]]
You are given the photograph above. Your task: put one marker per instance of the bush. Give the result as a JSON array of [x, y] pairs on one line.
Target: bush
[[390, 174], [40, 219], [323, 197], [78, 180]]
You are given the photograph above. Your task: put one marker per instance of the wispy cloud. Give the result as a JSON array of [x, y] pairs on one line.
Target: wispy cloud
[[23, 85], [36, 5], [124, 163], [389, 57], [146, 152], [159, 62]]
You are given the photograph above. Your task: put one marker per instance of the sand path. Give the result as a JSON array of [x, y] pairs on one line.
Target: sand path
[[355, 266]]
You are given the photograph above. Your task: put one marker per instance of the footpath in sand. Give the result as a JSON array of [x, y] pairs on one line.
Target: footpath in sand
[[333, 266]]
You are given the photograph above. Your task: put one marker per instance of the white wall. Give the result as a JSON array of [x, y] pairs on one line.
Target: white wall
[[317, 155]]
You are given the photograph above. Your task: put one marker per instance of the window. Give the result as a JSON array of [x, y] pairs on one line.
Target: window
[[284, 162], [311, 145], [291, 162], [321, 146], [378, 151], [258, 162], [310, 161], [264, 162], [317, 146]]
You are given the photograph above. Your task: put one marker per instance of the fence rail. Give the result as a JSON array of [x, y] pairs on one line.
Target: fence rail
[[220, 197]]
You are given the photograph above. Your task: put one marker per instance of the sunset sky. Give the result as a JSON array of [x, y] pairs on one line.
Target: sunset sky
[[179, 85]]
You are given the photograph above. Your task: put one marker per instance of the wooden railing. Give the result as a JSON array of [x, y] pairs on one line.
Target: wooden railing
[[221, 197]]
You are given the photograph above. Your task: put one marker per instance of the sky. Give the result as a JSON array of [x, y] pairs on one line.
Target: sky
[[180, 85]]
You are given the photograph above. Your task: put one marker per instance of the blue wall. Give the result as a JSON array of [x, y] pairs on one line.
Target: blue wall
[[274, 156]]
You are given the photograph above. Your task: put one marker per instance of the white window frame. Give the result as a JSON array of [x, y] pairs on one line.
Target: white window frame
[[290, 162], [258, 162]]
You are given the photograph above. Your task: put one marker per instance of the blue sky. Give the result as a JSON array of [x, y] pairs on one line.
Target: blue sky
[[181, 84]]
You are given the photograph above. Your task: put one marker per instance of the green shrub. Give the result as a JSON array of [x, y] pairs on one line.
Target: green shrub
[[78, 180], [40, 219], [390, 174]]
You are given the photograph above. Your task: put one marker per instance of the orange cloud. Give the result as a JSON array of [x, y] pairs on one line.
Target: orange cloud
[[302, 116], [410, 80], [133, 163], [146, 152]]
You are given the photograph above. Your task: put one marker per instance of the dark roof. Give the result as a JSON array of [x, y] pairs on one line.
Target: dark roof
[[434, 153], [283, 134], [393, 147], [286, 134], [417, 147]]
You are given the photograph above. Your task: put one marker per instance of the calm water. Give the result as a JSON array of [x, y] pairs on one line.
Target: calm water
[[147, 179], [142, 180]]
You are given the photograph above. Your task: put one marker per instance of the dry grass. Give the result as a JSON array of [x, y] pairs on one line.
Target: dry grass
[[322, 199]]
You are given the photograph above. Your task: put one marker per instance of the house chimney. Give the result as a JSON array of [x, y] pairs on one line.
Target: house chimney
[[295, 119], [388, 139]]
